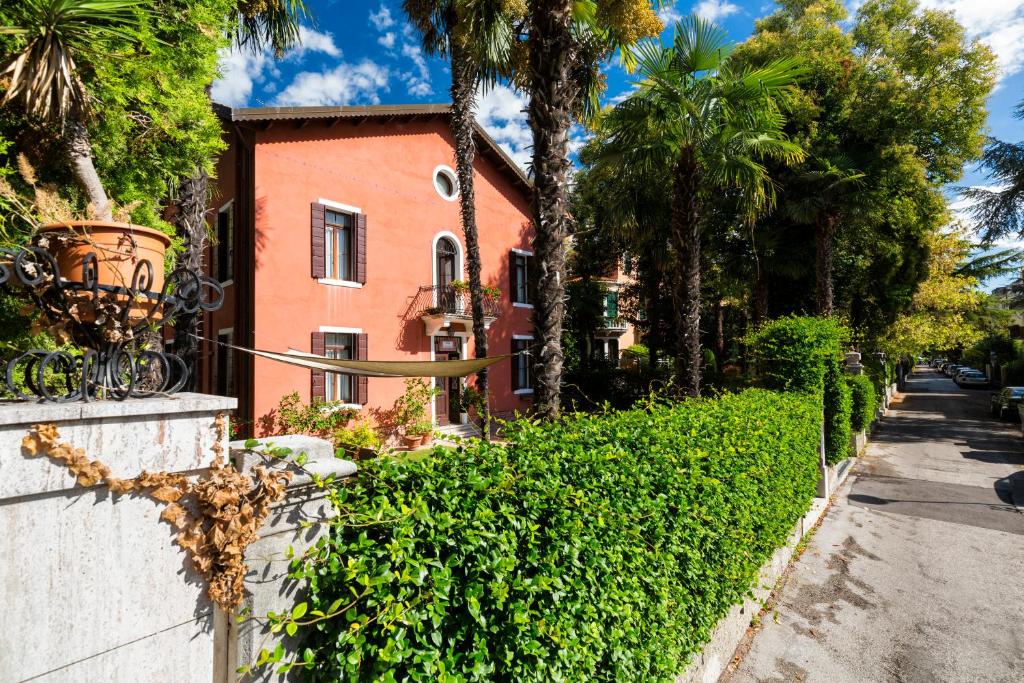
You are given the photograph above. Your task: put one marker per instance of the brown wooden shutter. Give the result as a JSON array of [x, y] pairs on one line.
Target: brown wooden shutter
[[362, 382], [318, 267], [361, 248], [513, 291], [318, 388]]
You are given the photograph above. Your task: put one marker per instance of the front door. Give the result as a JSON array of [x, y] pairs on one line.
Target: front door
[[446, 405]]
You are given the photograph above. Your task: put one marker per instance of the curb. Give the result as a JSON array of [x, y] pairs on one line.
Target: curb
[[718, 653]]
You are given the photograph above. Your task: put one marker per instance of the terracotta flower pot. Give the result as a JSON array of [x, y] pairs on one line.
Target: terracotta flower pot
[[426, 439], [119, 247], [412, 440]]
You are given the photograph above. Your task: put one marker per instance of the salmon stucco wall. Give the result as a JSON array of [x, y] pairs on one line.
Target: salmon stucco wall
[[385, 170]]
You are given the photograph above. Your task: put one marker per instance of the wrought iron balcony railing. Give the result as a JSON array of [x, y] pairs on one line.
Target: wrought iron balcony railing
[[614, 323], [452, 302]]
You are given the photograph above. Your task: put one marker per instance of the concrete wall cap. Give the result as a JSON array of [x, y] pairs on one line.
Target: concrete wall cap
[[24, 412], [320, 459]]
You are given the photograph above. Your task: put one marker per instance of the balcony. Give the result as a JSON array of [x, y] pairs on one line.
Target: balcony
[[441, 305], [612, 326]]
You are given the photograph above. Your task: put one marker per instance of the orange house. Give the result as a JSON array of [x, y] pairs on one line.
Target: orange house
[[338, 232]]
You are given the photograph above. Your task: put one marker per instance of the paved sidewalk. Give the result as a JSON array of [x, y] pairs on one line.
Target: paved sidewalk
[[917, 571]]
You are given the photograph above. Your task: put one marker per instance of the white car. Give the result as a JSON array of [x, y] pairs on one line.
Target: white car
[[963, 371], [951, 370], [972, 378]]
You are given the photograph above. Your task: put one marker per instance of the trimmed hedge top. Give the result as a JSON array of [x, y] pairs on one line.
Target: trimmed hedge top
[[602, 547], [804, 353]]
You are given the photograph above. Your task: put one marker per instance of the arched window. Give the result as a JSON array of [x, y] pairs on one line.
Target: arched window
[[447, 256]]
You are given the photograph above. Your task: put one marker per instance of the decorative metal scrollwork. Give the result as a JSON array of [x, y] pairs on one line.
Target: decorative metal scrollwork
[[106, 325]]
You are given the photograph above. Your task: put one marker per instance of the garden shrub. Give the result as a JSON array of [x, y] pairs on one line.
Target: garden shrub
[[865, 402], [804, 353], [601, 547], [838, 411]]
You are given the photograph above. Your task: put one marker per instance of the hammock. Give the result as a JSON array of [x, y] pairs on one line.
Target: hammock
[[377, 368]]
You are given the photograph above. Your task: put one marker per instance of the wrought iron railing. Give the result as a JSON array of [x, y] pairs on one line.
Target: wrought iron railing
[[610, 322], [452, 301]]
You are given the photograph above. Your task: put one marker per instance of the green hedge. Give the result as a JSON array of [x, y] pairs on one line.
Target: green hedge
[[804, 353], [602, 547], [865, 402]]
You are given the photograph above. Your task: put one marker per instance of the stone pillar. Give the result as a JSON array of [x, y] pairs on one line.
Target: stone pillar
[[268, 588], [853, 364], [92, 585]]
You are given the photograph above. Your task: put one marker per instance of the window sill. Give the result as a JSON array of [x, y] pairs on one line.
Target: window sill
[[341, 406], [523, 392], [340, 283], [516, 304]]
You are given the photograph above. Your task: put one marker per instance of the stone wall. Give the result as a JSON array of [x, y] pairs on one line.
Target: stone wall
[[93, 586]]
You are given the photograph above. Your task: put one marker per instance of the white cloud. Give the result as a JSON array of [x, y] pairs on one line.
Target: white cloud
[[314, 41], [241, 70], [387, 40], [997, 23], [501, 111], [414, 53], [344, 84], [713, 10], [669, 14], [381, 19]]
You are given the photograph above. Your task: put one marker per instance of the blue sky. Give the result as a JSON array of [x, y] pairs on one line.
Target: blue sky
[[364, 52]]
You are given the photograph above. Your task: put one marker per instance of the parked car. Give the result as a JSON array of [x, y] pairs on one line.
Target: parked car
[[950, 369], [963, 370], [1005, 401], [972, 378]]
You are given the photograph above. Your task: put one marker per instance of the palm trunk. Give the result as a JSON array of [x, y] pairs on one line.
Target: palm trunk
[[463, 91], [79, 151], [552, 94], [190, 219], [719, 333], [824, 237], [686, 242]]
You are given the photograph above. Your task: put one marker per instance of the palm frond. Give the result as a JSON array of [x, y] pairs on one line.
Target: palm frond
[[59, 34]]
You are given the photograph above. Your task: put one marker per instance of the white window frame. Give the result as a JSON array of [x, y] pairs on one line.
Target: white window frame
[[355, 332], [523, 337], [344, 208], [527, 254], [452, 176]]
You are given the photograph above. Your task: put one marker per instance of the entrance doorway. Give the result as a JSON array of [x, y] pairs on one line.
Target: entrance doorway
[[447, 405]]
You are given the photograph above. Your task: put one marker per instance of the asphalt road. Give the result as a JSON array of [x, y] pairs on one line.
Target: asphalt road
[[917, 571]]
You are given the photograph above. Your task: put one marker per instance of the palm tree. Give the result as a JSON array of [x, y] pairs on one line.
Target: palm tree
[[476, 36], [820, 197], [257, 25], [567, 40], [999, 211], [714, 122], [61, 38]]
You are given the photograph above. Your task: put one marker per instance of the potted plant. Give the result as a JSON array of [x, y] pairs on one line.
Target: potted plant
[[411, 411], [43, 79], [423, 431], [357, 441]]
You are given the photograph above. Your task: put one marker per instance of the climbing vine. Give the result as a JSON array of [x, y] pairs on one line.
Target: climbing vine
[[217, 516]]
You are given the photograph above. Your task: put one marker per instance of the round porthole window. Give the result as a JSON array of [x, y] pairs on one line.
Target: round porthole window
[[446, 184]]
